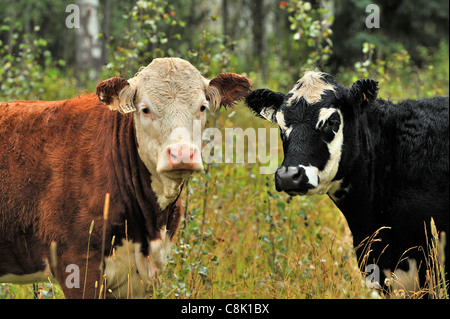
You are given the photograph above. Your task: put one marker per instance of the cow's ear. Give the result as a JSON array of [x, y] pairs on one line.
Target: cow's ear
[[117, 93], [226, 89], [363, 90], [264, 103]]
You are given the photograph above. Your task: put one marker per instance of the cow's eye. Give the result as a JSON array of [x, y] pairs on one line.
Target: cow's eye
[[146, 112], [332, 124], [204, 106]]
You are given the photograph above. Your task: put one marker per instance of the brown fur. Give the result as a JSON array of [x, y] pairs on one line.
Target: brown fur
[[57, 162], [110, 88], [232, 87], [59, 159]]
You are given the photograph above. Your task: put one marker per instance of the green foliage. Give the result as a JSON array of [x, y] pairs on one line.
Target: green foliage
[[212, 55], [20, 74], [312, 32], [28, 70], [153, 30], [412, 24], [397, 73]]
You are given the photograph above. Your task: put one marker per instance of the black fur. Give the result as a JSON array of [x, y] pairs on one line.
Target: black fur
[[394, 167], [263, 98]]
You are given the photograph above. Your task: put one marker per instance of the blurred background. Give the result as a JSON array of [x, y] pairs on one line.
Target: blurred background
[[48, 48]]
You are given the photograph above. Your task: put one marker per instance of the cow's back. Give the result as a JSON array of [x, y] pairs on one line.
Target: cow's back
[[421, 173], [34, 138], [422, 133]]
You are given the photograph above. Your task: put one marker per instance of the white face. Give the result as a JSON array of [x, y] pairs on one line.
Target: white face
[[169, 99], [170, 115], [168, 135], [169, 141]]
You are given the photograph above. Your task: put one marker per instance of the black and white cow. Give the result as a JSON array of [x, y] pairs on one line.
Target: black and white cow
[[384, 164]]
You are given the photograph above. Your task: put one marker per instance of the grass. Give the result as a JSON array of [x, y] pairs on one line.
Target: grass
[[241, 239], [273, 248]]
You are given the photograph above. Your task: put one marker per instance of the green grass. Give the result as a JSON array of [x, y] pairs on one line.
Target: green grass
[[239, 238]]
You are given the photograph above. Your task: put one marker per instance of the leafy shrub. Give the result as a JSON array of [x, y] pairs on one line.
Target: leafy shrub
[[27, 68]]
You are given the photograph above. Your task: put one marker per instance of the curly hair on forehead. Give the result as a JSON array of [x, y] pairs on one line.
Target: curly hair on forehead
[[311, 87]]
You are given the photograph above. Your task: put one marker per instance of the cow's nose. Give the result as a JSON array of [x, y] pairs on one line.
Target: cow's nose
[[182, 155], [291, 179]]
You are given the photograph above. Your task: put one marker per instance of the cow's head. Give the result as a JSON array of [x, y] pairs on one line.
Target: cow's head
[[169, 99], [311, 120]]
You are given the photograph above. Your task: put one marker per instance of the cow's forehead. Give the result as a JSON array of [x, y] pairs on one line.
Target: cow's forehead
[[168, 80], [310, 87], [173, 69]]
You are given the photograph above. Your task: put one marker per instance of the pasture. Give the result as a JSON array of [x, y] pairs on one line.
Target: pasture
[[239, 238]]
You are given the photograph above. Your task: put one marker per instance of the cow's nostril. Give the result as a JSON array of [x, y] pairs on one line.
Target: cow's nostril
[[192, 153], [296, 176], [182, 155], [292, 179]]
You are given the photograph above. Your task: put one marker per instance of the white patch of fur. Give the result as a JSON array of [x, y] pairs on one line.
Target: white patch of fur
[[40, 276], [406, 280], [282, 124], [312, 174], [267, 113], [128, 271], [280, 121], [312, 88], [174, 90], [326, 176], [324, 114]]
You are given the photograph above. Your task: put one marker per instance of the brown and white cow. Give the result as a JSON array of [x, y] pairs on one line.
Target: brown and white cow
[[59, 159]]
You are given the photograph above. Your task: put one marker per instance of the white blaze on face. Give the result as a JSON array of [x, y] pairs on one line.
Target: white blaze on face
[[282, 124], [313, 175], [326, 176], [324, 114], [170, 96]]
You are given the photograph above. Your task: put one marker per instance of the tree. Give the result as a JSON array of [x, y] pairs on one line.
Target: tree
[[258, 31], [88, 45], [410, 24]]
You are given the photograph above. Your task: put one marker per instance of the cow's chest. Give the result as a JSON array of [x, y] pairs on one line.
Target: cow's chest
[[129, 273]]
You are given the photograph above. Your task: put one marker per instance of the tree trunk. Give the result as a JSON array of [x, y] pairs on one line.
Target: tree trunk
[[225, 19], [88, 45], [257, 10], [106, 30]]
